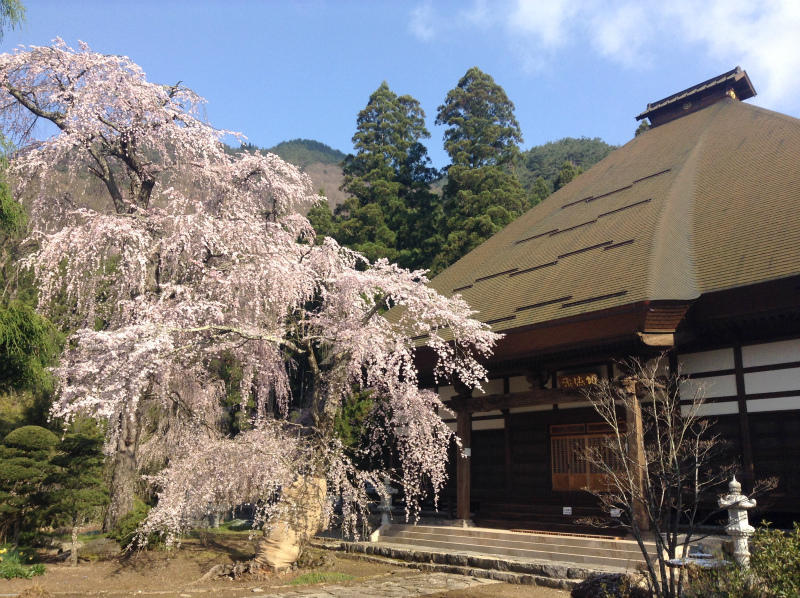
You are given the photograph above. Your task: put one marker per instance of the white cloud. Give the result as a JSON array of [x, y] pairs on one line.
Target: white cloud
[[621, 31], [548, 21], [421, 23], [763, 37]]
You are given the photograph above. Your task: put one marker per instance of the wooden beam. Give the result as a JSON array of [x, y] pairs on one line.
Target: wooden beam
[[464, 431], [633, 417], [518, 399], [744, 422]]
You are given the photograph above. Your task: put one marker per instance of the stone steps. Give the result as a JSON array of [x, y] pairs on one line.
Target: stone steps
[[611, 554]]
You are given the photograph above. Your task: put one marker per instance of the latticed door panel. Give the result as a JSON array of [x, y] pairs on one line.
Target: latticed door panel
[[571, 471]]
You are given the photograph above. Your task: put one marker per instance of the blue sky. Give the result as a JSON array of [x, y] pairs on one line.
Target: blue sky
[[282, 70]]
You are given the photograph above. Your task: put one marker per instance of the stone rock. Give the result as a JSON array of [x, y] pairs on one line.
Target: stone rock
[[527, 580], [99, 550], [66, 546], [440, 558], [459, 560], [504, 577], [527, 568], [486, 563], [553, 570]]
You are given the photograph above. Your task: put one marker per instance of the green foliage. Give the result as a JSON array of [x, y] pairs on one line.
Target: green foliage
[[482, 195], [12, 14], [546, 161], [643, 126], [28, 345], [568, 172], [392, 212], [350, 419], [774, 570], [124, 531], [17, 563], [76, 489], [540, 191], [24, 465], [320, 577], [302, 152], [482, 129], [479, 202]]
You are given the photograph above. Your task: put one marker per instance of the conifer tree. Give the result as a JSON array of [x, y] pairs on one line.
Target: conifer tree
[[540, 191], [24, 465], [482, 194], [568, 172], [392, 212], [76, 492]]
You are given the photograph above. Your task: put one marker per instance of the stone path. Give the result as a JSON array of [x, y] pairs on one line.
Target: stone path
[[398, 586]]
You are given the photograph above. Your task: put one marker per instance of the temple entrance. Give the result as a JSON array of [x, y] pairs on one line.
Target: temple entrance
[[568, 445]]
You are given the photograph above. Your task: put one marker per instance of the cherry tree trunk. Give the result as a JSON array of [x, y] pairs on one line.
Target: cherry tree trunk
[[289, 533], [123, 477]]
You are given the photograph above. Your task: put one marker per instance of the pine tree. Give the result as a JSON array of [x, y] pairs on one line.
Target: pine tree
[[24, 465], [77, 492]]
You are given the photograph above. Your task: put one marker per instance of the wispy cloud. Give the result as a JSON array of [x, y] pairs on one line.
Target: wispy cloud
[[762, 36], [422, 22]]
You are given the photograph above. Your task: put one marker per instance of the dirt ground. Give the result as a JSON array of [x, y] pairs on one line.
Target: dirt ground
[[176, 574]]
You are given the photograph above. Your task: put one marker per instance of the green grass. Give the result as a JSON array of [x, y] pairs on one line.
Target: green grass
[[19, 563], [320, 577]]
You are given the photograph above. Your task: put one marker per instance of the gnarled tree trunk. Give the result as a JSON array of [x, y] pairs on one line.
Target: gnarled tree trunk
[[123, 477], [284, 541]]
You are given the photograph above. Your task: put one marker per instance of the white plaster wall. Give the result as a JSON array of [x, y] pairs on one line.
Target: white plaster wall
[[708, 409], [496, 412], [452, 426], [492, 387], [712, 387], [518, 384], [706, 361], [771, 353], [774, 381], [488, 424], [446, 392], [781, 404]]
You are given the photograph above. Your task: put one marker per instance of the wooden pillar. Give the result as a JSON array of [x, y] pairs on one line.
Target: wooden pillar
[[744, 423], [507, 434], [633, 417], [464, 431]]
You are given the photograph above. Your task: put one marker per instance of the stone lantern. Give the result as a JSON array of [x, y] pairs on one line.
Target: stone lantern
[[738, 527], [385, 507]]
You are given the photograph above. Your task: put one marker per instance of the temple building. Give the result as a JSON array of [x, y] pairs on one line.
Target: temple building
[[684, 241]]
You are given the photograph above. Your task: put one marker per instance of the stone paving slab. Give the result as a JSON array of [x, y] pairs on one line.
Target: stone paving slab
[[397, 587]]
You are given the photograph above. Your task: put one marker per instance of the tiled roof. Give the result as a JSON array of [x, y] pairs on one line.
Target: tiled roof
[[705, 202]]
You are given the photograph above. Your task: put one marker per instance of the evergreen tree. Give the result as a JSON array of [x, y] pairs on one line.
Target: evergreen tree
[[540, 191], [77, 492], [392, 212], [568, 172], [643, 126], [24, 465], [481, 195], [482, 129]]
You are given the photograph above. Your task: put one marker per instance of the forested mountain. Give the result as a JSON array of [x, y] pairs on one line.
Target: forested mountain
[[547, 160], [302, 152], [319, 161]]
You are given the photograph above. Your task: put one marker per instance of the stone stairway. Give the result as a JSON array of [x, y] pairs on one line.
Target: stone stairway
[[609, 554]]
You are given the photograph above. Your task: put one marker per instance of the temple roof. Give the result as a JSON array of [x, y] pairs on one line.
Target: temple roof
[[706, 202]]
